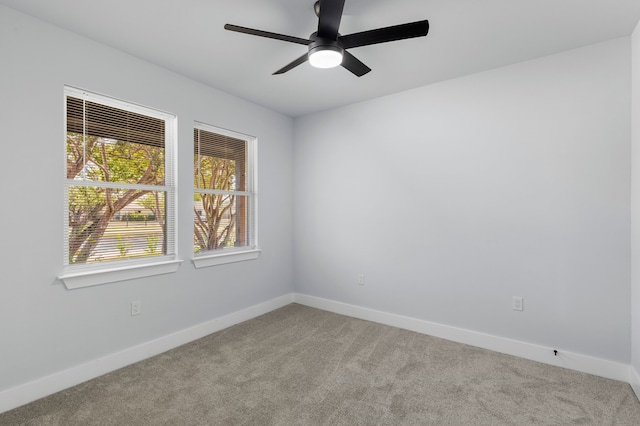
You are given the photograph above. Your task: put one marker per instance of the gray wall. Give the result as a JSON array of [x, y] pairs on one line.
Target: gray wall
[[45, 328], [455, 197], [635, 213]]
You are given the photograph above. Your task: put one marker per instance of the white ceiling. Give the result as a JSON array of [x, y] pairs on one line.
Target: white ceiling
[[465, 37]]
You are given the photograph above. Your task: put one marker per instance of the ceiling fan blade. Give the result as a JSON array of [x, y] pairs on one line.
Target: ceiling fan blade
[[329, 18], [301, 60], [267, 34], [383, 35], [354, 65]]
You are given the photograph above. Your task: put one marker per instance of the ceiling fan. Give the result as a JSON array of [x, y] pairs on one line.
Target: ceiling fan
[[327, 48]]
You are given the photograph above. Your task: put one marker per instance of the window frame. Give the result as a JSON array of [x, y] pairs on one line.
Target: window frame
[[89, 274], [234, 254]]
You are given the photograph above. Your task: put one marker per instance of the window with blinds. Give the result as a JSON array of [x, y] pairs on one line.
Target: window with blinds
[[224, 191], [119, 187]]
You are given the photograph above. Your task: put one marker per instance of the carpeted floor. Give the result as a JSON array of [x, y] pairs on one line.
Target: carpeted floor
[[303, 366]]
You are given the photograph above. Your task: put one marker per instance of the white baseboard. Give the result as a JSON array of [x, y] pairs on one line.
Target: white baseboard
[[28, 392], [634, 381], [570, 360]]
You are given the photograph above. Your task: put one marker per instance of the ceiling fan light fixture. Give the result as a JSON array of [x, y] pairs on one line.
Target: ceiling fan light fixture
[[327, 48], [325, 56]]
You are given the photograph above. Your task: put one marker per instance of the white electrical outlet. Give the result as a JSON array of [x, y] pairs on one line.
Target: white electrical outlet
[[361, 279], [136, 307], [518, 303]]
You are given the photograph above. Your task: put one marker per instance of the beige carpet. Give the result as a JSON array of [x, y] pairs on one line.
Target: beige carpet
[[302, 366]]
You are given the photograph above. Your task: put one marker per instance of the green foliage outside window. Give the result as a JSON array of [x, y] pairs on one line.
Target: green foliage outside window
[[93, 209]]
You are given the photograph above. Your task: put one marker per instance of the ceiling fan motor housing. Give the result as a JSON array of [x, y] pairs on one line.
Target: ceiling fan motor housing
[[319, 43]]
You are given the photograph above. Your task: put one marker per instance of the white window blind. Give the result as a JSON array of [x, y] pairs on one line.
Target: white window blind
[[120, 182], [224, 208]]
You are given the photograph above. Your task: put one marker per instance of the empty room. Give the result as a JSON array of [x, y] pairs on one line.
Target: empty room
[[274, 212]]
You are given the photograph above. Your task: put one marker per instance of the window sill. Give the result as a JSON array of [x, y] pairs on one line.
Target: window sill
[[223, 258], [89, 278]]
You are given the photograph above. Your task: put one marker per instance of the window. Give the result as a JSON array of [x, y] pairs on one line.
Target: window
[[119, 187], [224, 207]]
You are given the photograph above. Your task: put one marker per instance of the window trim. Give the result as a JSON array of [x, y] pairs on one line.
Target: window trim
[[235, 254], [208, 260], [84, 275], [92, 276]]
